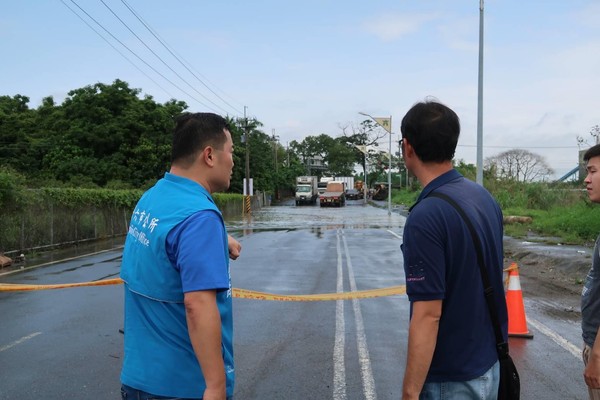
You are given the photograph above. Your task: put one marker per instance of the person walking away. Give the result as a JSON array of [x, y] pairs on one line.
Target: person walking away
[[590, 295], [451, 343], [178, 304]]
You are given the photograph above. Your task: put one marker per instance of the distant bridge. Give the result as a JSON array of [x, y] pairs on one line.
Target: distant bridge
[[574, 171]]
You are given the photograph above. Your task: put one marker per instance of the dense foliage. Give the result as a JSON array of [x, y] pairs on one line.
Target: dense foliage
[[109, 136]]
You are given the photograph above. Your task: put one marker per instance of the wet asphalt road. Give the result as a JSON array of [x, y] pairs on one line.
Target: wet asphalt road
[[65, 344]]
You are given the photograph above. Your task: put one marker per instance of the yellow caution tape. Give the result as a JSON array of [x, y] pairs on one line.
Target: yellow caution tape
[[18, 287], [361, 294], [237, 293]]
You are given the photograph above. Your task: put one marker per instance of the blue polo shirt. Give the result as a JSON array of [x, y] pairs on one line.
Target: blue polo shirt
[[440, 263]]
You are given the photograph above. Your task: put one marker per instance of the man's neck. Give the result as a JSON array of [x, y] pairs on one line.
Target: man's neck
[[191, 174], [429, 171]]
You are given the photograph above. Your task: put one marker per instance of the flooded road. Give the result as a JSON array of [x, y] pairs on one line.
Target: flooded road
[[65, 344]]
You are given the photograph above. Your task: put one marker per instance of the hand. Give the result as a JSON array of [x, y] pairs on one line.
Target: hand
[[591, 373], [234, 246]]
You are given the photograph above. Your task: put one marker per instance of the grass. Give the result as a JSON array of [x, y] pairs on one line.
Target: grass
[[561, 214]]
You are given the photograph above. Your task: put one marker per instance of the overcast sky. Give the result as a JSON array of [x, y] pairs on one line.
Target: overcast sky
[[308, 67]]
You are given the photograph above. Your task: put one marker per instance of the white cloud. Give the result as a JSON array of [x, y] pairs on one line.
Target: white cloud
[[390, 27]]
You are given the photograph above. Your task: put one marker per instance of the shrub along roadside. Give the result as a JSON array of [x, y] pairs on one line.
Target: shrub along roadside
[[562, 211], [39, 218]]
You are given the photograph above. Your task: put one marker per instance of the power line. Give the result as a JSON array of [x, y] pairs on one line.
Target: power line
[[160, 58], [182, 62], [139, 58], [116, 49]]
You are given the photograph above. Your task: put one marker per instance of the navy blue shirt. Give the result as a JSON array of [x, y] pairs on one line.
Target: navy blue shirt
[[440, 263]]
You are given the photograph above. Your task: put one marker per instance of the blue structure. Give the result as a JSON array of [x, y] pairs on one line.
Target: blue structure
[[568, 174]]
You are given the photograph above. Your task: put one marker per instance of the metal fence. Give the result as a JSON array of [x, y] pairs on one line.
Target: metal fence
[[48, 225], [45, 226]]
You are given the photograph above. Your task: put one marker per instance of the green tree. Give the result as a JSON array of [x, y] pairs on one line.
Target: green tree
[[341, 158], [16, 126], [363, 138], [104, 133]]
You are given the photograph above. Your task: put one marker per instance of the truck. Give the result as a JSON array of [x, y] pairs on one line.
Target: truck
[[322, 185], [380, 191], [306, 190], [334, 196], [348, 180]]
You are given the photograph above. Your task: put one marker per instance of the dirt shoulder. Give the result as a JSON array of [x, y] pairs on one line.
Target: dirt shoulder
[[550, 270]]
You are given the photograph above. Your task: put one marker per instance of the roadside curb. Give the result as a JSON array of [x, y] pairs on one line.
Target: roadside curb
[[28, 268]]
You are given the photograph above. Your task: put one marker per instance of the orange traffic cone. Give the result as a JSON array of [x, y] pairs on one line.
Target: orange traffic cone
[[517, 323]]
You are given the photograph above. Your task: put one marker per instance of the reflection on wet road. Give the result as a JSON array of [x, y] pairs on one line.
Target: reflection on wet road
[[322, 350], [354, 215], [65, 344]]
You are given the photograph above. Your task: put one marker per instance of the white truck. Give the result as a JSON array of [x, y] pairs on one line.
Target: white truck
[[348, 180], [306, 190]]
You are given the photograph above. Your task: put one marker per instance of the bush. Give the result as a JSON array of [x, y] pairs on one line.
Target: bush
[[12, 191]]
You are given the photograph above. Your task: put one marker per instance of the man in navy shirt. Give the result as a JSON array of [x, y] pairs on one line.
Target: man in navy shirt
[[451, 343], [590, 295]]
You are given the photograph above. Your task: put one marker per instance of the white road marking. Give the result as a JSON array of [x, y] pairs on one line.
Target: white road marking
[[19, 341], [339, 366], [361, 338], [561, 341], [395, 234]]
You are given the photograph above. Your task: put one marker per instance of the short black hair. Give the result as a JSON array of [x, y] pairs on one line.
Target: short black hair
[[193, 132], [432, 129], [592, 152]]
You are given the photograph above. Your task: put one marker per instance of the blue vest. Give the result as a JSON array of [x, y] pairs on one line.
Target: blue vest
[[146, 267], [160, 360]]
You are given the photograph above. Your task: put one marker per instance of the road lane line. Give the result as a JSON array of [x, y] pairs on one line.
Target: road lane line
[[339, 365], [561, 341], [395, 234], [361, 338], [19, 341]]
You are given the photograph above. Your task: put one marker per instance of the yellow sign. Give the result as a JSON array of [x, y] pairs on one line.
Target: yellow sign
[[385, 123]]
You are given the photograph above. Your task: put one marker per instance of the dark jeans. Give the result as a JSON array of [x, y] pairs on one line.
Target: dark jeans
[[129, 393]]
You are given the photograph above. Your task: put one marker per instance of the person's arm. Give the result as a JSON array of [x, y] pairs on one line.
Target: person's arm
[[422, 338], [591, 373], [204, 326], [235, 248]]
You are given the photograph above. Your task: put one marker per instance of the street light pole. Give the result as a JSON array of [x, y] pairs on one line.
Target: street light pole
[[479, 177], [386, 124]]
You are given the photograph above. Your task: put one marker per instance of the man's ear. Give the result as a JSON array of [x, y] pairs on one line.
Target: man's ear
[[408, 149], [207, 155]]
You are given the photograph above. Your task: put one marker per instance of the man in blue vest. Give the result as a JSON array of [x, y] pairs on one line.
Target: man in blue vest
[[451, 342], [178, 304]]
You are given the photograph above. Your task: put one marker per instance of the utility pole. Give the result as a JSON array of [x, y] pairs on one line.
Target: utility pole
[[390, 169], [247, 189], [275, 138], [247, 152]]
